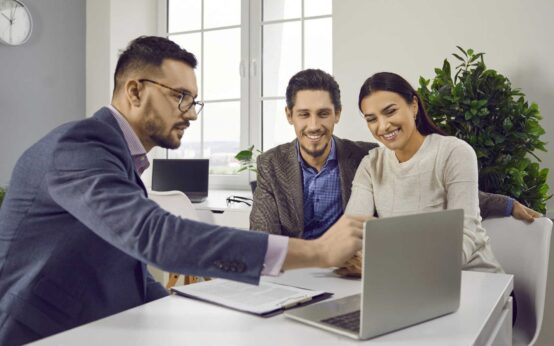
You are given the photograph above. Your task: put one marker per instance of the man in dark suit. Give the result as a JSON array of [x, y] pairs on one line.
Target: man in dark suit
[[303, 186], [77, 229]]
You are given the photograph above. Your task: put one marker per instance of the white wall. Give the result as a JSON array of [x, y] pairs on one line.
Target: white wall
[[411, 38], [111, 25]]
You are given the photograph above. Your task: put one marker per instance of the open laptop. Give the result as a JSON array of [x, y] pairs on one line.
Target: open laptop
[[189, 176], [411, 273]]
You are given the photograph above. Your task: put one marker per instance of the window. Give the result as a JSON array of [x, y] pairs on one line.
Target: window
[[295, 35], [247, 52]]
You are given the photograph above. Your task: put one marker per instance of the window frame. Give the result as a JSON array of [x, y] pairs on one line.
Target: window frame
[[250, 70]]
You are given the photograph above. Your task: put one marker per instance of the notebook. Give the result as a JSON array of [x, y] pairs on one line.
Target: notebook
[[189, 176], [266, 299], [411, 273]]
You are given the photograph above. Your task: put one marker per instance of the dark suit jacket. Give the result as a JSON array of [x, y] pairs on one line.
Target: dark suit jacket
[[278, 206], [76, 230]]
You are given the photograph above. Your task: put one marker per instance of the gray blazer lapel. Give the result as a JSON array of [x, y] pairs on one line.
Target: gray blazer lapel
[[105, 115], [293, 185], [347, 169]]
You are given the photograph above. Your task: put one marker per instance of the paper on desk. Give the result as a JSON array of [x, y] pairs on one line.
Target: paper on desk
[[263, 299]]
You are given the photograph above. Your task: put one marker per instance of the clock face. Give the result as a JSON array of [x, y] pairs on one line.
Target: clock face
[[15, 22]]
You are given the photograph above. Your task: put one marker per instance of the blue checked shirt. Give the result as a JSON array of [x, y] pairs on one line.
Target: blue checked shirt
[[322, 195]]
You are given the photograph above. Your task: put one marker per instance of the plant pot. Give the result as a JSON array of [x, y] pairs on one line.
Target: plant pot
[[253, 184]]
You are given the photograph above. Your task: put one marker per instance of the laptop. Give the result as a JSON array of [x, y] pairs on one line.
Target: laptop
[[411, 273], [189, 176]]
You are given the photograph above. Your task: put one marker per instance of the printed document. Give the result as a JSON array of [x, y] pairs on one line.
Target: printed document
[[266, 298]]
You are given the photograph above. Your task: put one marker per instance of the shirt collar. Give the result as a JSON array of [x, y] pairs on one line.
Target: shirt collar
[[133, 142], [332, 154]]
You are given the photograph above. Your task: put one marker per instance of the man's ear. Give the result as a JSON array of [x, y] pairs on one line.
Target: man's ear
[[289, 114], [337, 117], [133, 89]]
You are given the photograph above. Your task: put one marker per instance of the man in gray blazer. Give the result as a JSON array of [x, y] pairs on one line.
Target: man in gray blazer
[[304, 186], [77, 229]]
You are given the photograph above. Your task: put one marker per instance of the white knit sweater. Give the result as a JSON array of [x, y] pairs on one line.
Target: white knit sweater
[[441, 175]]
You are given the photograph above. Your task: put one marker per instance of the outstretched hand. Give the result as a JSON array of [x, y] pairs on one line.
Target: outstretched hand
[[341, 241], [336, 246], [521, 212]]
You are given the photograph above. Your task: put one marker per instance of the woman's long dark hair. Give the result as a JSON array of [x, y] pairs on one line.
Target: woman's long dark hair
[[388, 81]]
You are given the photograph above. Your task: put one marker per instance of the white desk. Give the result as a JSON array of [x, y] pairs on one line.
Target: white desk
[[215, 209], [484, 310]]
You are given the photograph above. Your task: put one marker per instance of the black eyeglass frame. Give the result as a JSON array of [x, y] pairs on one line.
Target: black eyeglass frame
[[182, 95], [239, 199]]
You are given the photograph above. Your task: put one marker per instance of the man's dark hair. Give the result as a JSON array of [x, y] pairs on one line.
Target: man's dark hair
[[313, 79], [149, 51]]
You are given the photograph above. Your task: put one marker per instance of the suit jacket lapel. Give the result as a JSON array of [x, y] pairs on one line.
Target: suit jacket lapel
[[346, 170], [294, 186], [106, 116]]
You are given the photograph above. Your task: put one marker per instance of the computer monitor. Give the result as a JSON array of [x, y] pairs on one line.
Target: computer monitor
[[189, 176]]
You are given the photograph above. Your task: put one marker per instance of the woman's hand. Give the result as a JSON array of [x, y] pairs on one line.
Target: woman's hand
[[352, 267]]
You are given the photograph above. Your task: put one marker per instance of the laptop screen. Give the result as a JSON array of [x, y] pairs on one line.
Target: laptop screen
[[185, 175]]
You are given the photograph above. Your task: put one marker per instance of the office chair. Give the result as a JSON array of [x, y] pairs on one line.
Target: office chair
[[523, 250], [177, 203]]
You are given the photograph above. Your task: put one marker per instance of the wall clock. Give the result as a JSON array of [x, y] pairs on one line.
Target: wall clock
[[16, 23]]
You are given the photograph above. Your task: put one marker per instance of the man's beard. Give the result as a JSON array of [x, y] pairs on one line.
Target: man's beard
[[314, 153], [154, 129]]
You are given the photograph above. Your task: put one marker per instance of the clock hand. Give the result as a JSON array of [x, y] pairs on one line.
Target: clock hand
[[7, 18], [12, 13]]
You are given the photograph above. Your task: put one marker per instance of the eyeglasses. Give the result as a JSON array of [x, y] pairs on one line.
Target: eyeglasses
[[183, 96], [239, 199]]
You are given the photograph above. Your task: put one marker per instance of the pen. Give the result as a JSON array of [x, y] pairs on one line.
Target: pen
[[298, 301]]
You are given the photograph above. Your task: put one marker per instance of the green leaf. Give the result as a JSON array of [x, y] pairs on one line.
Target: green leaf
[[244, 155], [459, 57], [462, 50]]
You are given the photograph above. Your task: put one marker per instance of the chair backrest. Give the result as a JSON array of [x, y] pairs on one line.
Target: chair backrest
[[523, 250], [175, 202]]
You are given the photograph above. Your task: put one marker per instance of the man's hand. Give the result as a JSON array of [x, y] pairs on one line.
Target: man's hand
[[332, 249], [521, 212], [341, 242]]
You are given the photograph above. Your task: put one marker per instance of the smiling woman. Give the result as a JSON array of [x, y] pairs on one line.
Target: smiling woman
[[16, 24], [419, 168]]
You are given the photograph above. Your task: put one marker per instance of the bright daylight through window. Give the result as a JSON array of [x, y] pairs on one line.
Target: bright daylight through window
[[247, 51]]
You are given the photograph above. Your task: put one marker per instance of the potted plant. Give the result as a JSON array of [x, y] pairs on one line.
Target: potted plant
[[247, 162], [480, 106]]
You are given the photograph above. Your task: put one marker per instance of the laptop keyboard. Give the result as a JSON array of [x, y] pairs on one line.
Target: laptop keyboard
[[349, 321]]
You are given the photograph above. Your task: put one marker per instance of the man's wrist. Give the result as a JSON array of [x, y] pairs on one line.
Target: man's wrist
[[302, 254]]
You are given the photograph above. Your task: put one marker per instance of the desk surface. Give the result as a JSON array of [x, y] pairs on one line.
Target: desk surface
[[217, 200], [178, 321]]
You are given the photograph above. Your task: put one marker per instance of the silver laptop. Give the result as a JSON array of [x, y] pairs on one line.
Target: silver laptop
[[411, 273]]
